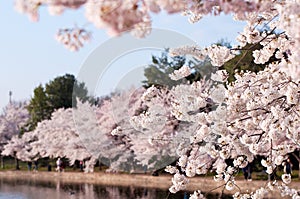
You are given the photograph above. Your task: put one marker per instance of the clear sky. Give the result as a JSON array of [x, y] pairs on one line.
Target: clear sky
[[29, 54]]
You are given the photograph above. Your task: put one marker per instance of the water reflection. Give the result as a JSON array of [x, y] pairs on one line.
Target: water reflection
[[35, 189]]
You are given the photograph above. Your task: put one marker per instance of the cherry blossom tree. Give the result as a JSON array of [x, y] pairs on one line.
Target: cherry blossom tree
[[255, 115], [105, 133], [94, 126], [258, 114], [13, 118], [56, 137], [120, 141]]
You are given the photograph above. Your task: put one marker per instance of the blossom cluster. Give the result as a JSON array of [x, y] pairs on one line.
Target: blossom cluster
[[184, 71], [73, 39], [118, 16]]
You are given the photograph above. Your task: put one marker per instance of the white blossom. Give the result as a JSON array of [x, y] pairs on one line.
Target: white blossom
[[179, 183], [286, 178], [230, 185], [184, 71], [197, 195]]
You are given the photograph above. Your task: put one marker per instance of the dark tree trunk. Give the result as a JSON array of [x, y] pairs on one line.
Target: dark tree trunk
[[298, 159], [2, 162], [17, 164]]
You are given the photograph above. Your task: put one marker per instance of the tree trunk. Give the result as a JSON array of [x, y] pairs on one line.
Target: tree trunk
[[298, 169], [17, 164], [298, 159], [2, 162]]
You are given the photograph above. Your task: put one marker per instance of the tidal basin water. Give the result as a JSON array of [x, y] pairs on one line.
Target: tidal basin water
[[34, 189]]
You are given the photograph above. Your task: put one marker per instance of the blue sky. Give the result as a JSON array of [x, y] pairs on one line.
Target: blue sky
[[29, 54]]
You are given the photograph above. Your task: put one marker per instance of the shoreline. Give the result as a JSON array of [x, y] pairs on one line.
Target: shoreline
[[205, 184], [101, 178]]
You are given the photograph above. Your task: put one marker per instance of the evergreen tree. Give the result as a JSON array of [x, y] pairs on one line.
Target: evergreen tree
[[157, 73], [58, 93]]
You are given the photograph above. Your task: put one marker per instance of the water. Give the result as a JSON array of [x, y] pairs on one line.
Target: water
[[11, 196], [35, 189]]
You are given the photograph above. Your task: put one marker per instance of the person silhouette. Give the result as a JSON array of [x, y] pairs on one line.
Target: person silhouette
[[287, 166]]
